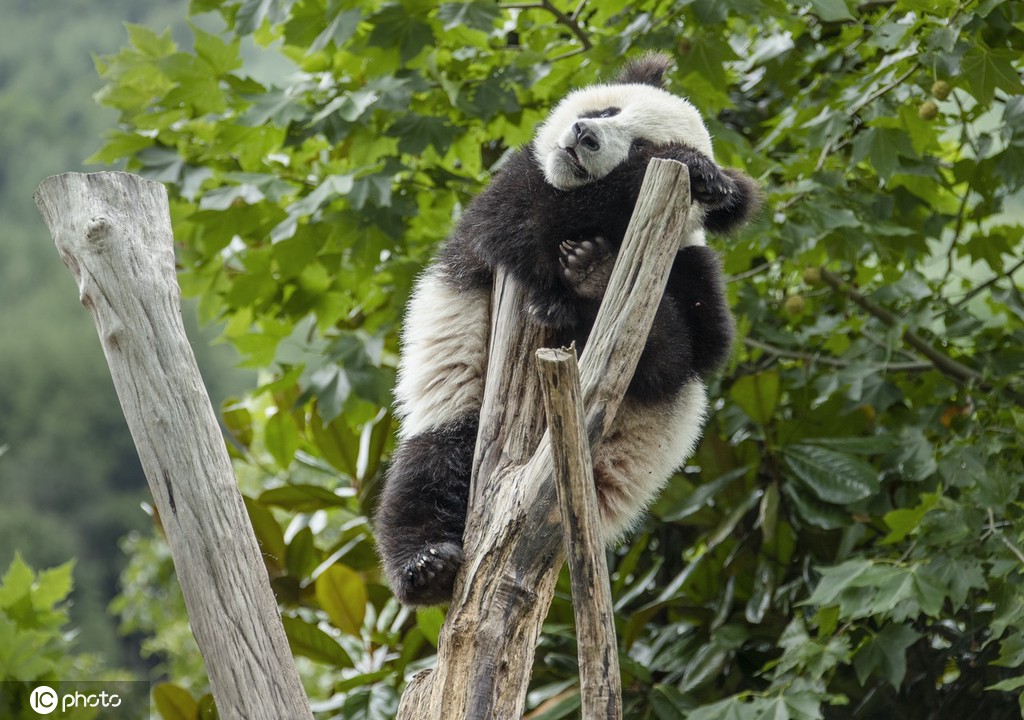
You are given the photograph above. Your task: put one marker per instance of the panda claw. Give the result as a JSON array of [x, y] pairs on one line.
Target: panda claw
[[428, 577], [586, 266]]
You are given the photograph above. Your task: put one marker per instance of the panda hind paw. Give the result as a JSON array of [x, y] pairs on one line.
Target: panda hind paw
[[429, 576], [587, 266]]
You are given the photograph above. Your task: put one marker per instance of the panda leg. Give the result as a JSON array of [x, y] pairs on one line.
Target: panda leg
[[422, 509], [646, 443], [422, 512], [697, 288]]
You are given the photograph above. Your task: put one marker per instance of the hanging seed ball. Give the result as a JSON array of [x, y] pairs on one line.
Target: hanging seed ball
[[812, 276], [928, 110], [794, 305], [941, 89]]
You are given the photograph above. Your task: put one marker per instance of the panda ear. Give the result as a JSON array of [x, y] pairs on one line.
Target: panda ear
[[647, 69]]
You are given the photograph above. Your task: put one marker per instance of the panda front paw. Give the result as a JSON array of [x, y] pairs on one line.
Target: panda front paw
[[428, 578], [587, 266], [708, 184]]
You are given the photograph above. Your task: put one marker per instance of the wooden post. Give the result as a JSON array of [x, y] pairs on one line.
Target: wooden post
[[600, 681], [113, 231], [514, 539]]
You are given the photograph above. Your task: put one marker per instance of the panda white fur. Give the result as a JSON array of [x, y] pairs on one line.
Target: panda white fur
[[554, 217]]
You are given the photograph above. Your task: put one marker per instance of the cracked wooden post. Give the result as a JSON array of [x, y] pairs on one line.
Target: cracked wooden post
[[514, 539], [113, 231]]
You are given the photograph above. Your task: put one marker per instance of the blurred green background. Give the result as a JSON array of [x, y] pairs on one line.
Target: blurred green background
[[70, 481]]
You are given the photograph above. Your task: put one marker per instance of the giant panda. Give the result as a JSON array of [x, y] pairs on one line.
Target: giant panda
[[554, 217]]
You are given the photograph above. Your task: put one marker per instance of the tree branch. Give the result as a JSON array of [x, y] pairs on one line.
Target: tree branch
[[942, 362], [814, 358], [569, 21], [978, 289]]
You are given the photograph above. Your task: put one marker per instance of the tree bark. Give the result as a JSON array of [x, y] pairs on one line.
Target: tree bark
[[113, 232], [514, 539]]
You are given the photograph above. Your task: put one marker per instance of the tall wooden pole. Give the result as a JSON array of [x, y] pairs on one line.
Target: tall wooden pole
[[113, 231]]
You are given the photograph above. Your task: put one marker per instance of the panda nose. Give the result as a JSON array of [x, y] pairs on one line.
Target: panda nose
[[586, 137]]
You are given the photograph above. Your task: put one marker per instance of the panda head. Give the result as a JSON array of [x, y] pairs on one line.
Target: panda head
[[592, 131]]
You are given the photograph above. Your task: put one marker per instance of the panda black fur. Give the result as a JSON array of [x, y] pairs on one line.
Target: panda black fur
[[554, 217]]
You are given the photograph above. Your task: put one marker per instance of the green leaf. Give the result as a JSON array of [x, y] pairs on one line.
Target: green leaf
[[987, 70], [814, 511], [872, 445], [668, 703], [702, 496], [277, 106], [835, 580], [429, 621], [222, 56], [338, 32], [396, 25], [208, 708], [281, 438], [417, 132], [174, 702], [833, 476], [308, 640], [885, 654], [884, 147], [1008, 685], [474, 15], [341, 592], [53, 586], [302, 557], [904, 521], [757, 395], [1011, 651], [148, 42], [708, 56], [238, 421], [303, 498], [337, 443], [17, 581], [268, 533], [120, 144], [831, 10]]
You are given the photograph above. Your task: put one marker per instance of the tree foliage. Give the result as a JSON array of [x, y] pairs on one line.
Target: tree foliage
[[848, 540], [71, 481]]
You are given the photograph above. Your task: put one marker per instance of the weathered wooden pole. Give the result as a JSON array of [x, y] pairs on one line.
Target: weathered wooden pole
[[113, 231], [514, 537], [600, 681]]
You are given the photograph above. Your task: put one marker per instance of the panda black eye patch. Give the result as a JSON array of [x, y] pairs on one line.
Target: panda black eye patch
[[606, 113]]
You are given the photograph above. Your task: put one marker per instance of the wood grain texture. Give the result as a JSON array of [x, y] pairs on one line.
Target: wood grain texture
[[514, 539], [600, 681], [113, 232]]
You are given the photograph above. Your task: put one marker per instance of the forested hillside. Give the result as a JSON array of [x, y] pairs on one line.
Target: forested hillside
[[70, 483]]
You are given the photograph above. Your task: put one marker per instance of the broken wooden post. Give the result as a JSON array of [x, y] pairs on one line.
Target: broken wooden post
[[598, 650]]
